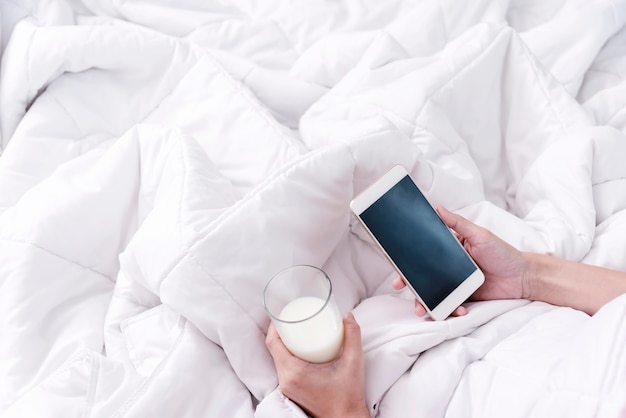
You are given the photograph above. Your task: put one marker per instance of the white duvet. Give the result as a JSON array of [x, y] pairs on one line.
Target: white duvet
[[162, 160]]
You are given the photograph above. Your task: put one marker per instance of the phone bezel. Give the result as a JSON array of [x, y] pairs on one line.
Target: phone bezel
[[469, 284]]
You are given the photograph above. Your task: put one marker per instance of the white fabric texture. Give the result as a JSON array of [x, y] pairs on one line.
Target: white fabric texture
[[161, 160]]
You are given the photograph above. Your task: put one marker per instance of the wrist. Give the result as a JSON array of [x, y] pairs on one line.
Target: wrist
[[531, 275], [534, 284]]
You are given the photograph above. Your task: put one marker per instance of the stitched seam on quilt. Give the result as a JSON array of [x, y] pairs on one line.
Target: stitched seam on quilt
[[609, 120], [615, 15], [143, 387], [254, 105], [529, 60], [260, 188], [613, 374], [68, 364], [45, 250], [443, 21], [503, 32], [284, 32], [192, 256], [171, 90], [4, 140], [92, 385], [184, 184], [541, 83], [237, 87], [289, 405], [443, 84], [185, 248], [189, 251], [67, 113]]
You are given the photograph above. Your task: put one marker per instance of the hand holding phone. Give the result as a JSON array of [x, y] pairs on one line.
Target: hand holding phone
[[423, 250]]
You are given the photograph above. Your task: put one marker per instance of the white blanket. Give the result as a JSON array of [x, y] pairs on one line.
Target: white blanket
[[162, 160]]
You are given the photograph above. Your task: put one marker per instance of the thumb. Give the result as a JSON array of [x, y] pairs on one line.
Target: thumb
[[352, 336], [458, 223], [276, 346]]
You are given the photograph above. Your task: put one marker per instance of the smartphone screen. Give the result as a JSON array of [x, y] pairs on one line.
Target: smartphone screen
[[418, 242]]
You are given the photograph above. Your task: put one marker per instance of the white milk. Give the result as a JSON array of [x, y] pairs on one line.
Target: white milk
[[316, 340]]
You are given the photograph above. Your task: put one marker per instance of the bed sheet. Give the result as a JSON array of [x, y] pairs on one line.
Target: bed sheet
[[161, 160]]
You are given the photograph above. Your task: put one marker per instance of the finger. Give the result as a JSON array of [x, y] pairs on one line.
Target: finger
[[352, 337], [276, 347], [460, 311], [458, 223], [272, 334], [419, 309], [398, 283]]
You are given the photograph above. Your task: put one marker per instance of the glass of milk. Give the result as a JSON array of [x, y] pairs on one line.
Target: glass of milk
[[299, 300]]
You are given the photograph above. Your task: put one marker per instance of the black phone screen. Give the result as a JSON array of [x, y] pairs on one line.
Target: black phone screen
[[418, 242]]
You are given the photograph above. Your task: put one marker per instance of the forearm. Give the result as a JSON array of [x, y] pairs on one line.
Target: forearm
[[566, 283]]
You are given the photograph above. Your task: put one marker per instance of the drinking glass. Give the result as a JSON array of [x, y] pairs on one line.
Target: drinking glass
[[299, 300]]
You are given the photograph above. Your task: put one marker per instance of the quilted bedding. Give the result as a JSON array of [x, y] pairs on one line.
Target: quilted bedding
[[161, 160]]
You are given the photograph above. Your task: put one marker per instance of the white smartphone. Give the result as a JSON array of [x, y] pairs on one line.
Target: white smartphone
[[421, 247]]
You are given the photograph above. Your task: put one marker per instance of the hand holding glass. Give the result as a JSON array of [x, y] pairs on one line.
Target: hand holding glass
[[300, 302]]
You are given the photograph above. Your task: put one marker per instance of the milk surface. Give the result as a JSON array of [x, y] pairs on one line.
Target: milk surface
[[317, 339]]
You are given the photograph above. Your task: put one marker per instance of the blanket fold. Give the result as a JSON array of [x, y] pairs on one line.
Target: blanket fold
[[161, 162]]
